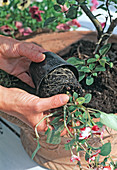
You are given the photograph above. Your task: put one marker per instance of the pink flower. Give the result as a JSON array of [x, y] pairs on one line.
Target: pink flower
[[95, 4], [18, 24], [64, 8], [74, 158], [98, 131], [85, 133], [92, 158], [33, 9], [74, 22], [36, 13], [25, 31], [103, 24], [5, 29], [63, 27]]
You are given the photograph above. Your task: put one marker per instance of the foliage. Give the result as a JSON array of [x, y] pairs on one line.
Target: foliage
[[79, 123]]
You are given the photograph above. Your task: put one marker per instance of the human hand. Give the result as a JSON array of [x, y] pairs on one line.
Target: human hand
[[16, 56], [29, 108]]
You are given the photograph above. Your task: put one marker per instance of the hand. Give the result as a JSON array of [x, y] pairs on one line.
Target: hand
[[29, 108], [16, 56]]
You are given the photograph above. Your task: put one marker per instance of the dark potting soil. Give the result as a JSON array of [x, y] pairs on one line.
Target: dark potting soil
[[59, 81], [104, 88]]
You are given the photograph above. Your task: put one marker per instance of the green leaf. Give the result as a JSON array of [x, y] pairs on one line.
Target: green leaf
[[72, 108], [94, 74], [97, 56], [77, 113], [88, 97], [75, 61], [75, 95], [53, 137], [102, 62], [57, 8], [89, 80], [97, 115], [49, 20], [61, 2], [105, 49], [109, 120], [69, 144], [105, 149], [91, 66], [87, 156], [81, 76], [91, 60], [71, 13], [100, 68], [99, 124], [36, 150], [85, 69], [111, 65], [80, 100]]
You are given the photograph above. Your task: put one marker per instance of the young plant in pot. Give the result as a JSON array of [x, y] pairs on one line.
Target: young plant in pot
[[73, 136]]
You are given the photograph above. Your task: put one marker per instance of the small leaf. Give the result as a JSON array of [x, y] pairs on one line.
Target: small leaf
[[97, 115], [100, 68], [57, 8], [85, 69], [53, 137], [49, 20], [36, 150], [109, 120], [88, 97], [91, 60], [102, 62], [97, 56], [77, 113], [105, 49], [94, 74], [99, 124], [91, 66], [71, 13], [111, 65], [89, 80], [81, 76], [72, 108], [80, 100], [61, 2], [105, 149], [75, 95], [75, 61]]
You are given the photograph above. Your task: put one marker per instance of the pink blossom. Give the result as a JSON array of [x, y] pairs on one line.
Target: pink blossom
[[63, 27], [36, 13], [98, 131], [74, 22], [85, 133], [95, 4], [18, 24], [33, 9], [6, 29], [103, 24], [25, 31], [64, 8], [92, 158], [74, 158]]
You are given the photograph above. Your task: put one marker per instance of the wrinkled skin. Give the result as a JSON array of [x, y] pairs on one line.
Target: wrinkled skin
[[15, 58]]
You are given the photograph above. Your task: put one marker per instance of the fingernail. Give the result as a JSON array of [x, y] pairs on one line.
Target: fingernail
[[64, 99], [41, 56]]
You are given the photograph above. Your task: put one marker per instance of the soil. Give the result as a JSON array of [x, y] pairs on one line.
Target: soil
[[104, 88], [60, 80]]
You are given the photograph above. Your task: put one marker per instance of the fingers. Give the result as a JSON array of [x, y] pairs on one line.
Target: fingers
[[31, 51], [52, 102]]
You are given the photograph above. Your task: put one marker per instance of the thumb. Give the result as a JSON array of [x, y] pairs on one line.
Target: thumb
[[31, 51], [52, 102]]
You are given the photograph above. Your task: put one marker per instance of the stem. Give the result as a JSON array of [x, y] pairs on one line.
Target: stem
[[91, 17], [36, 133]]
